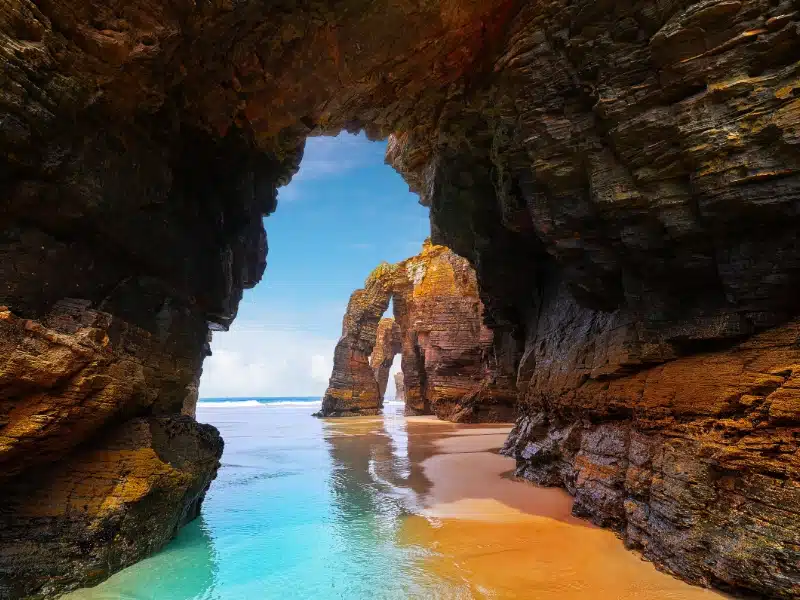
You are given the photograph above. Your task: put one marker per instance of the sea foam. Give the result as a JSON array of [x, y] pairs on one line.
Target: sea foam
[[250, 403]]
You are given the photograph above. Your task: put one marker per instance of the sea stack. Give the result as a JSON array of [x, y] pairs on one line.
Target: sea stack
[[388, 344], [353, 388]]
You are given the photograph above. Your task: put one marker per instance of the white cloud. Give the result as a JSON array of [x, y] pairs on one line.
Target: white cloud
[[254, 360]]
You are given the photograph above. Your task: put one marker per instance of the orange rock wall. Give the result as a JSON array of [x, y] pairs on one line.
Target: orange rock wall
[[353, 388], [93, 447], [694, 460]]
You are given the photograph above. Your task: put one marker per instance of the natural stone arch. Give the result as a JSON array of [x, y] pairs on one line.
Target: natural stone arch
[[624, 178], [449, 358], [353, 387]]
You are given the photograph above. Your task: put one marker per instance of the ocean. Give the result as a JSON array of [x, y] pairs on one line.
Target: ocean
[[379, 508], [294, 513]]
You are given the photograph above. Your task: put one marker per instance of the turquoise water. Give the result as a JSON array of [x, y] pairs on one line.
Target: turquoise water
[[298, 511]]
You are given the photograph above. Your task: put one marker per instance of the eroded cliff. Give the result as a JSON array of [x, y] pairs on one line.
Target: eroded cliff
[[622, 176], [98, 466], [450, 360]]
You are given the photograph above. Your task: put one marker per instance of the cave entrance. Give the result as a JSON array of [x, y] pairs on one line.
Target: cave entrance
[[343, 213]]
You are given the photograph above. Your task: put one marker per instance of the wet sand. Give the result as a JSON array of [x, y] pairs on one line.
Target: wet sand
[[382, 508], [494, 537]]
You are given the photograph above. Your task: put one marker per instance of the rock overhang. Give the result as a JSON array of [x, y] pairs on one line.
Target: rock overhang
[[624, 178]]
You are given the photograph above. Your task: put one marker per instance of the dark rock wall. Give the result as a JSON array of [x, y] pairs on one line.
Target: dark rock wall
[[694, 460], [98, 466], [627, 188], [623, 176]]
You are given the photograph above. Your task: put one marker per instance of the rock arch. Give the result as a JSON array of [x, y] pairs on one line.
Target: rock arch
[[452, 364], [623, 177]]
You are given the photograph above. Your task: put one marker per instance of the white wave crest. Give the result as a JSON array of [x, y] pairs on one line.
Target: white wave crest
[[234, 404], [250, 403]]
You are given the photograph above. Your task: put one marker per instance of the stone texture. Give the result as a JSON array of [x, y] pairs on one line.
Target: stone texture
[[461, 376], [622, 176], [694, 462], [353, 389], [106, 507], [93, 447], [388, 344], [450, 359]]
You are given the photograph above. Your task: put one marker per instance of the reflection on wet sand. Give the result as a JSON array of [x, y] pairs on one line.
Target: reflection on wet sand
[[383, 508], [477, 532], [373, 477]]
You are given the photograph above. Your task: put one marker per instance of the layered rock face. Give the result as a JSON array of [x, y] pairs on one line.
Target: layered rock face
[[448, 356], [694, 461], [353, 388], [622, 176], [627, 190], [98, 466], [460, 375]]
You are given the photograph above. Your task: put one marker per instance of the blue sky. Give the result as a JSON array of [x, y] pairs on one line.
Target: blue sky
[[342, 214]]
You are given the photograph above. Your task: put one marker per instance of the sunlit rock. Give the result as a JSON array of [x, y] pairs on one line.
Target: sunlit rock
[[451, 362]]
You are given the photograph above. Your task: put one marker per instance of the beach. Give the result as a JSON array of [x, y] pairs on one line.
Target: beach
[[388, 507]]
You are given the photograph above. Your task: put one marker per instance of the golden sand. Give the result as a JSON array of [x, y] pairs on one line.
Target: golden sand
[[487, 535], [498, 538]]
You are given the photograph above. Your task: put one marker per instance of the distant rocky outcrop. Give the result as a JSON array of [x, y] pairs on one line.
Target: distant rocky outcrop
[[399, 387], [388, 344], [451, 362], [353, 388]]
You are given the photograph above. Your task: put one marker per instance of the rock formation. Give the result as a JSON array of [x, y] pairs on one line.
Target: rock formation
[[399, 387], [387, 345], [691, 460], [449, 357], [464, 372], [622, 176], [353, 388], [79, 376]]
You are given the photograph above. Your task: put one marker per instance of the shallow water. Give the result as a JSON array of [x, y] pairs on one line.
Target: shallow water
[[379, 508]]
